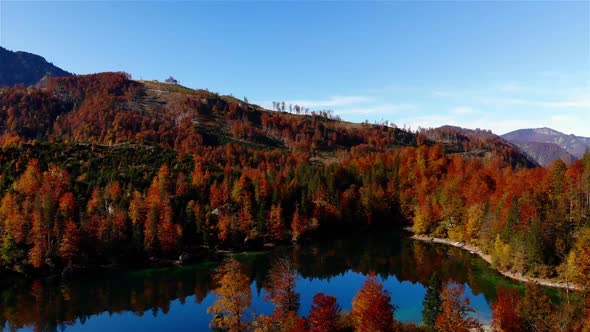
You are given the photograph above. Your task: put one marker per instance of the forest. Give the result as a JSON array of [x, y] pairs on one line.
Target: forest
[[99, 170]]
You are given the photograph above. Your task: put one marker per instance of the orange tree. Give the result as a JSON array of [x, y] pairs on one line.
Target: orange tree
[[454, 310], [371, 308], [324, 313], [233, 297]]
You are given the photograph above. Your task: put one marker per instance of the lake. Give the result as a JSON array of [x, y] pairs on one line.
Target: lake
[[177, 298]]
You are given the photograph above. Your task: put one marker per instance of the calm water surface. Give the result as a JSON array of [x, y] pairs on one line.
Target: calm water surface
[[176, 299]]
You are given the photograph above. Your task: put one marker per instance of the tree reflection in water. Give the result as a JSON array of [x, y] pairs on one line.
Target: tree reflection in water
[[43, 305]]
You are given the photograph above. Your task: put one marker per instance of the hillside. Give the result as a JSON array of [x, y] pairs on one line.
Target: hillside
[[101, 169], [477, 144], [546, 144], [109, 109], [545, 153]]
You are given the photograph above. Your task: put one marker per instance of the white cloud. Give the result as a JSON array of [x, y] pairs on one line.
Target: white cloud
[[352, 107], [497, 125], [499, 107], [426, 121], [333, 101], [500, 125], [537, 103], [575, 122], [330, 102], [564, 118], [464, 110], [379, 109], [499, 122]]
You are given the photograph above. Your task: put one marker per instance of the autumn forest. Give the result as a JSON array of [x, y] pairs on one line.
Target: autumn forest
[[101, 170]]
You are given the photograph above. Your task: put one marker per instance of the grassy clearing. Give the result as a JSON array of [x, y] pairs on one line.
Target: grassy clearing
[[166, 87]]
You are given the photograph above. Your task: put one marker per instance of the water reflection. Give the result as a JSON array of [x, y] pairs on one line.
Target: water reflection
[[177, 298]]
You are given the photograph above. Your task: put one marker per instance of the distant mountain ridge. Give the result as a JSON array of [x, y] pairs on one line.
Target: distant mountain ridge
[[478, 143], [546, 144], [545, 153], [25, 68]]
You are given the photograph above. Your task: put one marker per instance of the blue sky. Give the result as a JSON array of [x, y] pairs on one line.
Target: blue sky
[[494, 65]]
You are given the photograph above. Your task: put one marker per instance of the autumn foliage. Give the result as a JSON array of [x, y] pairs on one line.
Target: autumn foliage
[[97, 169], [233, 297], [505, 316], [371, 307], [324, 314], [229, 173], [454, 311], [282, 280]]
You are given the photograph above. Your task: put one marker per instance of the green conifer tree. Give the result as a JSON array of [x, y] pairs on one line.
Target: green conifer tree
[[432, 301]]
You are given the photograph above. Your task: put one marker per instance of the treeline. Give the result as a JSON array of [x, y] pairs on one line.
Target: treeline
[[232, 197], [529, 220]]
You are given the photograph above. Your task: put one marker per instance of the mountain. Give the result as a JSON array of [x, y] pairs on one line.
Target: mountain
[[545, 153], [546, 144], [25, 68], [110, 108], [477, 143]]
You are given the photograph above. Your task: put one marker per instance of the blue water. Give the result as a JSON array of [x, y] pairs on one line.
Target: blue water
[[176, 299], [189, 315]]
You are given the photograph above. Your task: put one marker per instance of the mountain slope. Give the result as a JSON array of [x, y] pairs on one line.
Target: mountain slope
[[110, 108], [540, 144], [545, 153], [477, 144], [25, 68]]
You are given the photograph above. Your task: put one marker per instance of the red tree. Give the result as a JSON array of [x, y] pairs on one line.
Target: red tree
[[275, 222], [282, 280], [505, 311], [371, 308], [298, 226], [70, 242], [454, 310], [324, 314]]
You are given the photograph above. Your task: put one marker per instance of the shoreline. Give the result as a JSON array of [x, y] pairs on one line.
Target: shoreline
[[476, 251]]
